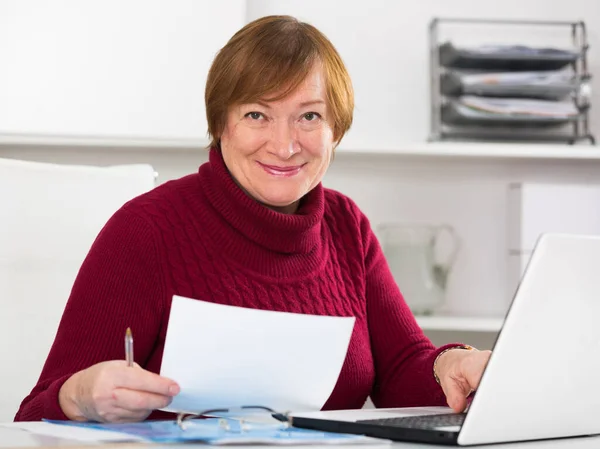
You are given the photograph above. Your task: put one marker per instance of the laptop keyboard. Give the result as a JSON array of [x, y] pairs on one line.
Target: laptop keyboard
[[420, 422]]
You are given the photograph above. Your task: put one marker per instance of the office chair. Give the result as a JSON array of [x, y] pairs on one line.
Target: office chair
[[49, 217]]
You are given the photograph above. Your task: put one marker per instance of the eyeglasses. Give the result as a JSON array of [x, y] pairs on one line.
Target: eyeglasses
[[223, 423]]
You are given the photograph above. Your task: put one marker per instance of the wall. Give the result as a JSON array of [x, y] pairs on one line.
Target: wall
[[134, 68]]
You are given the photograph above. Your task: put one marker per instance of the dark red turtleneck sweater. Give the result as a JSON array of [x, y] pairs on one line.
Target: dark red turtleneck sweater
[[202, 237]]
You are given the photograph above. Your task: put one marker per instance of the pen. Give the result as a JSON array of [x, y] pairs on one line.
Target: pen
[[129, 347]]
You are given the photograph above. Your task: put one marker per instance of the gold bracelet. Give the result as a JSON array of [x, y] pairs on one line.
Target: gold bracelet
[[465, 347]]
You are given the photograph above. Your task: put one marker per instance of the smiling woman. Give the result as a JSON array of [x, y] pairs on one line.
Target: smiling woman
[[254, 227]]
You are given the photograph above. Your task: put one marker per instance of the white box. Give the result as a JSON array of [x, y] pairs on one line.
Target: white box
[[535, 208]]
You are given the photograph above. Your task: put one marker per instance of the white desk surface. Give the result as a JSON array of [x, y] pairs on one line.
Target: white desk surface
[[11, 438]]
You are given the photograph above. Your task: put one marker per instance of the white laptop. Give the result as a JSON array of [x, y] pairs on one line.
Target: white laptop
[[543, 378]]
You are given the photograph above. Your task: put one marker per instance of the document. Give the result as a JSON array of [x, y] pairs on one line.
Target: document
[[225, 356], [534, 78], [215, 431], [73, 433], [520, 106]]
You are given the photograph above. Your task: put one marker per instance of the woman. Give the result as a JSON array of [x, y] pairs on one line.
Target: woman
[[254, 227]]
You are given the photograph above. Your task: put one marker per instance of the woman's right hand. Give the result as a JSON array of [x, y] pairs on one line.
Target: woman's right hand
[[114, 392]]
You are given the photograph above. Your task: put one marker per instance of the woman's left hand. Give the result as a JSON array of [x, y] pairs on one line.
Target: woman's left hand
[[459, 372]]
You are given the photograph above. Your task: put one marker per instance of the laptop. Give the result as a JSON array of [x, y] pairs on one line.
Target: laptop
[[542, 379]]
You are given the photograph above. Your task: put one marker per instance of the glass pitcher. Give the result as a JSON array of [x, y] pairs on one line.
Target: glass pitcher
[[411, 252]]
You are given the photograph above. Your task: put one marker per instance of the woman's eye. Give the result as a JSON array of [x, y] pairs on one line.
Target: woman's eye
[[254, 115], [311, 116]]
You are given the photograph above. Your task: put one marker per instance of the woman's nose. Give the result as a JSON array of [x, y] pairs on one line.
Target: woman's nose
[[283, 140]]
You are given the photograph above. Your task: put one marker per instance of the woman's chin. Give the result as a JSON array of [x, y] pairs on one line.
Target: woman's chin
[[280, 203]]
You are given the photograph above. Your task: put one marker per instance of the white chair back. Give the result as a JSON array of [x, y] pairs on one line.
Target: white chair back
[[49, 216]]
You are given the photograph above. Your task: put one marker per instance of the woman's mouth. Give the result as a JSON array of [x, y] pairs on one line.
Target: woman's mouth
[[281, 170]]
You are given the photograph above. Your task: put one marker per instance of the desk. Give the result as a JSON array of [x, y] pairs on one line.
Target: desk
[[17, 439]]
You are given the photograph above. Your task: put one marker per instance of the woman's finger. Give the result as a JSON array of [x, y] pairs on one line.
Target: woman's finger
[[136, 401], [474, 369], [142, 380], [121, 415], [456, 394]]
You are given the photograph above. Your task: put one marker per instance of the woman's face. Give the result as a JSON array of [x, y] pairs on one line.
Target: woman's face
[[278, 151]]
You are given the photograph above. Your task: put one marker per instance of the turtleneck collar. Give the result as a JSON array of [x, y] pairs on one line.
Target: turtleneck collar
[[251, 231]]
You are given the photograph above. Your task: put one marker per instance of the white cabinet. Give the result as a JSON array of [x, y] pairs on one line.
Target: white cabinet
[[132, 69], [535, 208]]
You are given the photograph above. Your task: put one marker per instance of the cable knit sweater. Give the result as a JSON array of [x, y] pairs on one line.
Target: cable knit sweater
[[202, 237]]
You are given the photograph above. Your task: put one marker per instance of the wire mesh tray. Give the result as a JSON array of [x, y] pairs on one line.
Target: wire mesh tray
[[543, 85], [455, 113], [505, 58]]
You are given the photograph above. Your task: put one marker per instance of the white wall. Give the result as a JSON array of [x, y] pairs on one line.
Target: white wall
[[110, 67]]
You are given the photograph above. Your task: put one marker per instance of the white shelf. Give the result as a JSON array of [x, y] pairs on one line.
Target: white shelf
[[483, 150], [475, 150], [461, 324], [105, 142]]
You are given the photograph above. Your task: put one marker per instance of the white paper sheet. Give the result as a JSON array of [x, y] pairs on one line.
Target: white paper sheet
[[70, 433], [226, 356]]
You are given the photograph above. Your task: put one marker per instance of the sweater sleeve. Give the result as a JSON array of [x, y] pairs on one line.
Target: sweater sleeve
[[402, 353], [119, 285]]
